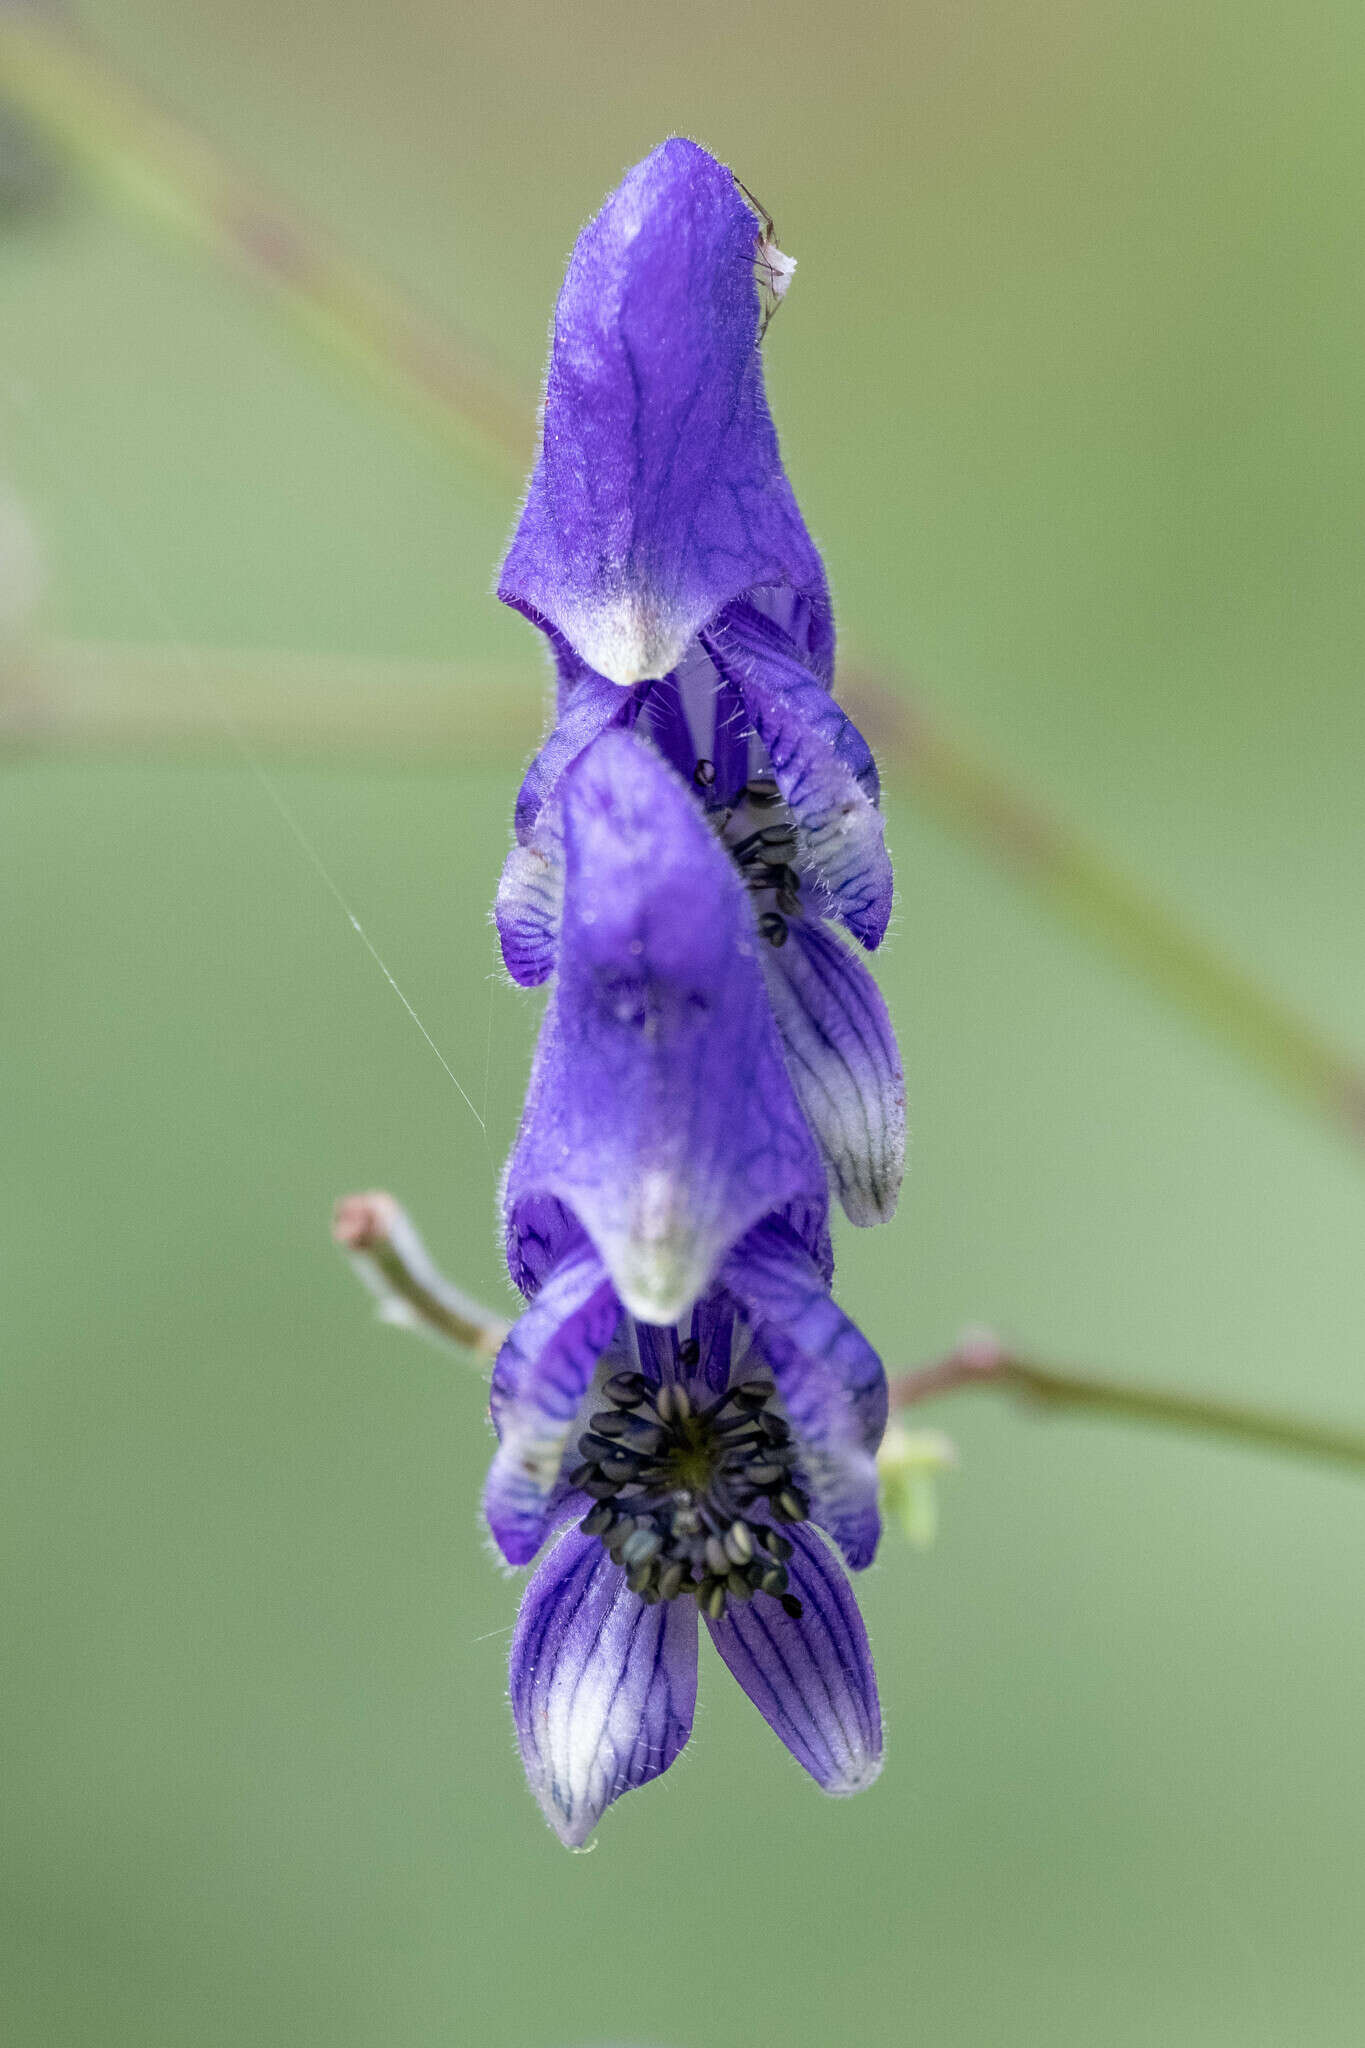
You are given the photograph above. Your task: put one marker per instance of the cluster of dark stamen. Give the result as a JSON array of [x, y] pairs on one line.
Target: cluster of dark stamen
[[686, 1494], [766, 855]]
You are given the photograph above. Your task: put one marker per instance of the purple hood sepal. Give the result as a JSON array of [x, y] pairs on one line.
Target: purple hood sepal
[[660, 1112], [659, 494]]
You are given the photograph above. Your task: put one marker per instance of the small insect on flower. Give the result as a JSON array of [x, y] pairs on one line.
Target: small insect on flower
[[772, 270]]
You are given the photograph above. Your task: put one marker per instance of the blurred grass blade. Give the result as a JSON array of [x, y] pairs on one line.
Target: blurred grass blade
[[1097, 898], [96, 699], [981, 1360], [87, 698], [164, 170]]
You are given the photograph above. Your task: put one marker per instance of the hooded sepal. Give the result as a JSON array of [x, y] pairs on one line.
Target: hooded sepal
[[660, 1111], [659, 493]]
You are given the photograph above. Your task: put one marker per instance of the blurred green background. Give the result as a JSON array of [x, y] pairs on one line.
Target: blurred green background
[[1072, 388]]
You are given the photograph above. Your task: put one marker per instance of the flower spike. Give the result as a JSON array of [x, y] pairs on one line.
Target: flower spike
[[687, 1423]]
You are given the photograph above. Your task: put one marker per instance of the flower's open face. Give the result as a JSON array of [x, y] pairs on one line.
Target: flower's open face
[[691, 1501]]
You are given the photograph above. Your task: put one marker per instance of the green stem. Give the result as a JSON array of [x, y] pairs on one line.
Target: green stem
[[94, 698], [1096, 897], [388, 1255], [161, 169], [134, 150], [982, 1362]]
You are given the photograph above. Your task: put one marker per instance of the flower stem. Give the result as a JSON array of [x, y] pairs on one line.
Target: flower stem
[[388, 1254], [134, 151], [983, 1361], [96, 698], [1096, 897], [390, 1258], [138, 154]]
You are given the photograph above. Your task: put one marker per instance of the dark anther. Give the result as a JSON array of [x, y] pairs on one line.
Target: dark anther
[[684, 1486], [671, 1578], [689, 1351], [704, 774], [773, 928], [745, 850], [641, 1545], [765, 1474], [599, 1448], [792, 1606]]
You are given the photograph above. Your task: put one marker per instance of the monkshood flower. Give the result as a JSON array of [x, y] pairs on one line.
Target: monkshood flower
[[662, 552], [682, 1399]]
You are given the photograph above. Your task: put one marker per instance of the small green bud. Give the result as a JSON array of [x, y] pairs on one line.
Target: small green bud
[[908, 1464]]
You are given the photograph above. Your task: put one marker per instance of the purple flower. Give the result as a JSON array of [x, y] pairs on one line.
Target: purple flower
[[682, 1405], [681, 1385], [660, 1134], [660, 494], [693, 1506], [662, 552], [659, 1109]]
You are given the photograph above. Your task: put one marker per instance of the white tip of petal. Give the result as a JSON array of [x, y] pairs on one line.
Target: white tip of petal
[[858, 1773], [635, 639], [658, 1261]]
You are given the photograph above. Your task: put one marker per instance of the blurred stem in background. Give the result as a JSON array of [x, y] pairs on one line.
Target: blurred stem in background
[[390, 1258], [982, 1360], [136, 153], [140, 155]]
